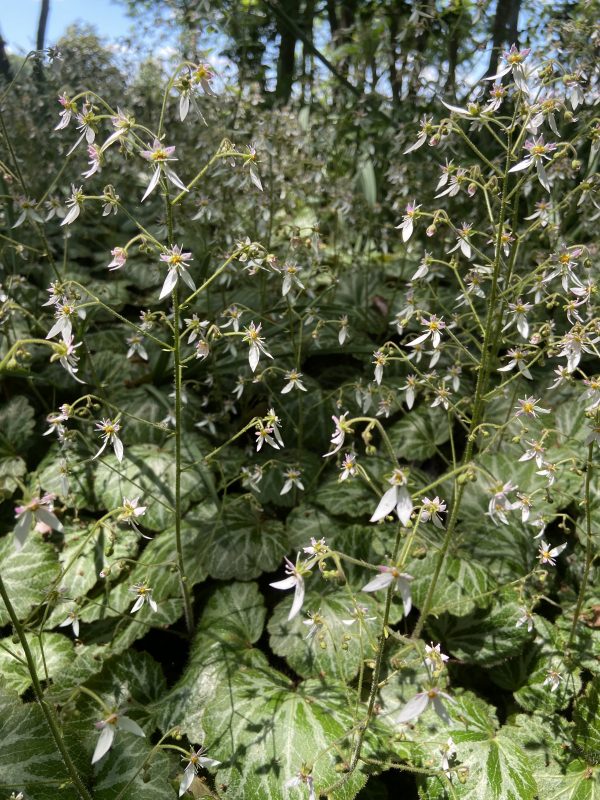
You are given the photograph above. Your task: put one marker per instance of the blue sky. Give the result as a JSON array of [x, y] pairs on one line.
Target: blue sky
[[19, 19]]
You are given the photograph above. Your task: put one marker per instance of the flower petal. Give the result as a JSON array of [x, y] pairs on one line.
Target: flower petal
[[48, 518], [381, 581], [186, 781], [386, 504], [298, 599], [286, 583], [413, 709], [169, 284], [130, 725], [104, 743], [152, 184]]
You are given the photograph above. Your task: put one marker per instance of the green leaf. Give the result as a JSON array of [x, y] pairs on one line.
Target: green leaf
[[336, 650], [241, 542], [80, 476], [26, 573], [29, 759], [485, 636], [235, 613], [10, 470], [587, 720], [264, 731], [526, 672], [348, 498], [144, 404], [581, 781], [121, 767], [491, 763], [131, 674], [147, 472], [17, 423], [231, 622], [418, 434], [463, 584], [57, 655]]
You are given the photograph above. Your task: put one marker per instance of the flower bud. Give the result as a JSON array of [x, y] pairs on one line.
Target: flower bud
[[431, 230], [462, 773]]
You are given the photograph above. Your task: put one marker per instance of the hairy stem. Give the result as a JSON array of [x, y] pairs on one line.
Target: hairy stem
[[47, 710]]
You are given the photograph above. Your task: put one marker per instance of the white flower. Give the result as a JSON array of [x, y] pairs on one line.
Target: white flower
[[196, 760], [316, 547], [234, 315], [69, 108], [339, 434], [553, 679], [407, 224], [122, 124], [75, 203], [130, 511], [420, 703], [426, 129], [195, 327], [538, 153], [63, 325], [160, 155], [526, 618], [380, 359], [391, 576], [292, 477], [396, 498], [410, 387], [295, 580], [38, 509], [251, 478], [462, 240], [315, 621], [434, 658], [256, 343], [109, 430], [547, 556], [513, 61], [348, 466], [136, 346], [64, 352], [73, 620], [144, 595], [431, 510], [290, 276], [517, 359], [358, 614], [529, 406], [119, 257], [294, 382], [343, 332], [263, 434], [28, 209], [108, 728], [434, 325], [448, 752], [302, 778], [519, 311], [178, 263], [499, 503], [94, 161], [535, 451]]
